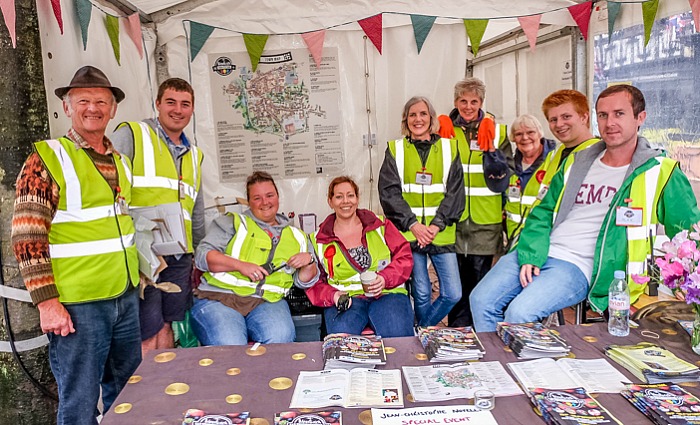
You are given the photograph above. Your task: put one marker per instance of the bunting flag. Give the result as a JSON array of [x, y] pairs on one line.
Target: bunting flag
[[8, 12], [582, 15], [649, 9], [421, 28], [84, 10], [372, 27], [613, 11], [530, 26], [695, 8], [314, 42], [112, 24], [475, 31], [199, 33], [56, 6], [132, 23], [255, 44]]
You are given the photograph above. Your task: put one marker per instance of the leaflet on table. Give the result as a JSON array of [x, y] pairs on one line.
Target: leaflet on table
[[596, 375], [570, 406], [199, 417], [448, 382], [664, 403], [169, 237], [359, 387], [461, 414], [652, 363]]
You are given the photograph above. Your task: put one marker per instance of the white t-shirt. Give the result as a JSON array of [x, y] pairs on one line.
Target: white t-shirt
[[574, 239]]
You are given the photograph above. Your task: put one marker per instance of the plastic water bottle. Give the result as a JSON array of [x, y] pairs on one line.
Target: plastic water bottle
[[619, 305]]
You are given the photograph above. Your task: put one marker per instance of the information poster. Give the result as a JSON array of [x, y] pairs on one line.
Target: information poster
[[283, 118]]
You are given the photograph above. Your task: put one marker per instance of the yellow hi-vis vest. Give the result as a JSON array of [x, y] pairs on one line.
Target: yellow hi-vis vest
[[482, 205], [253, 244], [156, 180], [424, 199], [519, 202], [345, 277], [91, 242], [645, 193], [552, 164]]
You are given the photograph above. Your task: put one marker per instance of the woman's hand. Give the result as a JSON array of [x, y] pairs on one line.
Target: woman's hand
[[252, 271], [301, 259], [376, 287], [336, 297]]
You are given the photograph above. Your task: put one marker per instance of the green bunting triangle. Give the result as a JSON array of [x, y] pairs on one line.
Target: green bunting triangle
[[613, 11], [199, 33], [421, 28], [649, 9], [84, 10], [475, 31], [255, 44], [112, 24]]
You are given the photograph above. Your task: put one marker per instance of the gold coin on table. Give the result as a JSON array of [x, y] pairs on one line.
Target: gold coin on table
[[389, 350], [690, 384], [555, 332], [233, 371], [507, 349], [280, 383], [298, 356], [164, 357], [306, 410], [570, 355], [365, 417], [177, 388], [259, 421], [668, 331], [233, 398], [134, 379], [122, 408], [257, 352], [586, 324], [409, 397], [537, 411], [421, 356], [590, 339], [594, 395], [206, 362], [697, 363]]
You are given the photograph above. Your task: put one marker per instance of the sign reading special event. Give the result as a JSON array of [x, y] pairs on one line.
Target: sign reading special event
[[283, 118]]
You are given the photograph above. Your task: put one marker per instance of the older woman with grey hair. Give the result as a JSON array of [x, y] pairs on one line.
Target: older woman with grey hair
[[421, 189]]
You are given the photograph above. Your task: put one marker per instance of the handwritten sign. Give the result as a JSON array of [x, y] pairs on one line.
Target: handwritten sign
[[462, 414]]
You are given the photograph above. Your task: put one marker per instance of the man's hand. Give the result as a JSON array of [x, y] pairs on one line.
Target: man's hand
[[526, 273], [55, 318], [424, 235], [486, 133], [252, 271], [300, 259], [447, 130]]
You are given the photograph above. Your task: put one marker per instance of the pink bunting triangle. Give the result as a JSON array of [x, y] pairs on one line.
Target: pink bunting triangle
[[132, 24], [56, 6], [530, 26], [695, 8], [582, 15], [314, 42], [373, 28], [8, 12]]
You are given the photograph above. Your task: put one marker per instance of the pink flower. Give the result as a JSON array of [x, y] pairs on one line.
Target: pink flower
[[669, 269], [689, 249], [695, 235], [640, 279]]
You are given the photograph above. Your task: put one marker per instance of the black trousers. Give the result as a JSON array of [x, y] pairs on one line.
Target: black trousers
[[472, 268]]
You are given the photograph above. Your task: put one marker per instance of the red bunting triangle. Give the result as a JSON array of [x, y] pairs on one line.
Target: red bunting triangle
[[530, 26], [314, 42], [56, 6], [582, 15], [8, 12], [695, 8], [373, 28], [132, 24]]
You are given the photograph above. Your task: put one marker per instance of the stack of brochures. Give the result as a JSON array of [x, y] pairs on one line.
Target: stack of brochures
[[593, 375], [198, 416], [664, 403], [532, 340], [450, 344], [294, 417], [570, 406], [653, 364], [345, 351]]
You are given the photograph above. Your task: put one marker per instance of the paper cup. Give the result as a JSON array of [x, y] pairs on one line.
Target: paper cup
[[367, 278]]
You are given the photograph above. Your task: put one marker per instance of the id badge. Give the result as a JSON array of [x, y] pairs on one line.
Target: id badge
[[543, 192], [629, 217], [182, 189], [424, 178], [123, 207], [514, 191], [474, 145]]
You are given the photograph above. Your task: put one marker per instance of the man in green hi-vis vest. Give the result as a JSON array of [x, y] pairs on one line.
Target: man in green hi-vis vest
[[599, 216], [74, 242], [167, 169]]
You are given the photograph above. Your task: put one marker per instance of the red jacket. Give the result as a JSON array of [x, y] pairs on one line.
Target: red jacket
[[396, 273]]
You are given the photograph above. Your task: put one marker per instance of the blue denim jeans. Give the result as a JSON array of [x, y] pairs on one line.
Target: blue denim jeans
[[500, 297], [217, 324], [427, 313], [390, 315], [104, 350]]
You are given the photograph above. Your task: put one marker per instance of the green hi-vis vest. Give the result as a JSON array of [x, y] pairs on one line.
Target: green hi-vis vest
[[156, 180], [91, 243], [482, 205], [344, 276], [645, 193], [254, 245], [552, 164], [424, 199]]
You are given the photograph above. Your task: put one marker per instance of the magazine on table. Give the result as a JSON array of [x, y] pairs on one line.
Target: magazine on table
[[532, 340], [294, 417], [349, 351], [664, 403], [652, 363], [448, 382], [460, 414], [359, 387], [595, 376], [570, 406], [200, 417], [444, 344]]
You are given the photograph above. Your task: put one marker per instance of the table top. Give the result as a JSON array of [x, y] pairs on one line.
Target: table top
[[235, 379]]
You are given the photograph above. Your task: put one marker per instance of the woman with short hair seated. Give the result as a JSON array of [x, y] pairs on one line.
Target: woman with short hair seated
[[351, 241], [250, 261]]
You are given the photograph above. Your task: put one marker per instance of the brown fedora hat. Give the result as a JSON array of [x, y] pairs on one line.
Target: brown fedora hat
[[90, 77]]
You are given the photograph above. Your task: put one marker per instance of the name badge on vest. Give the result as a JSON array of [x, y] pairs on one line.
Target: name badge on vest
[[543, 192], [514, 191], [182, 189], [381, 264], [424, 178], [474, 145], [123, 207], [628, 217]]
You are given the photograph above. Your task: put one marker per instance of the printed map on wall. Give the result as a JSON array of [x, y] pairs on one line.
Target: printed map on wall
[[283, 118]]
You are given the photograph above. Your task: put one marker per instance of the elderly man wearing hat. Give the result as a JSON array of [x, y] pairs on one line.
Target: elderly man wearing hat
[[74, 242]]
